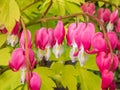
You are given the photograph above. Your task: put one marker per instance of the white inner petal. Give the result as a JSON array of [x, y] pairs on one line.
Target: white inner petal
[[109, 27], [22, 75], [58, 50], [40, 54], [47, 53], [72, 51], [81, 56], [12, 40]]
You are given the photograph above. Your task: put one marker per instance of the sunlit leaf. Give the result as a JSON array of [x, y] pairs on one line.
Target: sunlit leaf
[[9, 13], [2, 39], [88, 80], [4, 56]]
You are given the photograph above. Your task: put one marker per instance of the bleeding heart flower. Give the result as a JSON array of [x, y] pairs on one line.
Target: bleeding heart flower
[[59, 34], [18, 61], [103, 61], [104, 14], [83, 40], [98, 43], [35, 81], [88, 8], [12, 39], [113, 39], [107, 79], [22, 39], [113, 18], [41, 38], [73, 32]]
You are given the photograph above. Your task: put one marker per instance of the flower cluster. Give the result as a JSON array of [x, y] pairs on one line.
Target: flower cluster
[[106, 60], [18, 62], [83, 40]]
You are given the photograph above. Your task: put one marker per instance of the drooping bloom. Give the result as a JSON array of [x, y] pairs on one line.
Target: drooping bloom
[[113, 18], [104, 60], [41, 41], [98, 43], [22, 39], [12, 39], [59, 34], [112, 36], [104, 14], [107, 79], [88, 8], [83, 40], [74, 30], [86, 37], [35, 81], [18, 62], [44, 40]]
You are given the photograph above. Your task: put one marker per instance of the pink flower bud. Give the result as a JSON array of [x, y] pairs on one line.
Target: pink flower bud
[[88, 8], [104, 14], [113, 86], [35, 81], [22, 39]]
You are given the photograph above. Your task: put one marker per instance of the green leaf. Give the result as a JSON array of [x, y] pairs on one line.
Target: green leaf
[[4, 56], [101, 4], [88, 80], [57, 67], [47, 82], [72, 8], [9, 13], [68, 77], [91, 63], [2, 39], [76, 1], [9, 80]]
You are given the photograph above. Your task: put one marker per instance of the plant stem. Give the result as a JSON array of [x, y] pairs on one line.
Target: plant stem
[[28, 66], [46, 11]]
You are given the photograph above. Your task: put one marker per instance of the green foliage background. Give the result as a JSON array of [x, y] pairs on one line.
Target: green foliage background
[[58, 74]]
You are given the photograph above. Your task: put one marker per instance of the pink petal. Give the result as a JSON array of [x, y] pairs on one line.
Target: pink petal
[[16, 28], [87, 35], [113, 39], [98, 42], [107, 78], [35, 82], [51, 40], [114, 16], [22, 39], [41, 38], [78, 32], [59, 32], [17, 60]]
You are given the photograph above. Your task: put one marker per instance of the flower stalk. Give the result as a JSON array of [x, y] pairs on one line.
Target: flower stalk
[[28, 66]]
